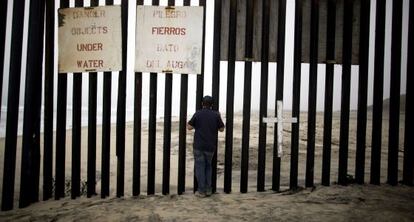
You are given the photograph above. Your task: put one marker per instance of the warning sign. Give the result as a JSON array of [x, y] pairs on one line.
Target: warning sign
[[169, 39], [90, 39]]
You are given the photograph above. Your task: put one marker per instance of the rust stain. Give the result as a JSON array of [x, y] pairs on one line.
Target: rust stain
[[167, 71], [61, 18]]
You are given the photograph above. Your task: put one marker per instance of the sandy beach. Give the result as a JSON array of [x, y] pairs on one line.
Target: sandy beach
[[333, 203]]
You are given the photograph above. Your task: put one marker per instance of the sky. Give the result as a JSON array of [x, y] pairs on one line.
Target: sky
[[223, 72]]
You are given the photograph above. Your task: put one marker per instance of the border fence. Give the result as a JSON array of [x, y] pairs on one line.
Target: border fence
[[317, 40]]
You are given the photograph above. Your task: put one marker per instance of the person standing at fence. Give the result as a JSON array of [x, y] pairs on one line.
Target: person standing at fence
[[206, 122]]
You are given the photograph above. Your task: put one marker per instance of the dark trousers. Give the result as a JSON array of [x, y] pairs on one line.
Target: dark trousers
[[202, 162]]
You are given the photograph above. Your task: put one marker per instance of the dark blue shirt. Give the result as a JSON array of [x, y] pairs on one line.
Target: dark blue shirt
[[206, 123]]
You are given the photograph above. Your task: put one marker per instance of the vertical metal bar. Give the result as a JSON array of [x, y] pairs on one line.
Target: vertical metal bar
[[136, 171], [279, 88], [362, 91], [106, 134], [61, 128], [394, 124], [216, 78], [76, 134], [230, 96], [49, 92], [106, 129], [91, 174], [167, 134], [345, 95], [182, 129], [152, 129], [330, 58], [293, 183], [121, 106], [30, 165], [3, 11], [76, 127], [313, 75], [408, 166], [152, 134], [247, 96], [182, 133], [263, 96], [200, 78], [199, 93], [13, 106], [61, 136], [167, 129], [378, 93]]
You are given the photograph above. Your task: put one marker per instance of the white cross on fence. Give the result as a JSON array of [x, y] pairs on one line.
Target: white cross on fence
[[280, 120]]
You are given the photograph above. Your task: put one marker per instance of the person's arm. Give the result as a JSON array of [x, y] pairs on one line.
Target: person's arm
[[220, 123], [190, 124]]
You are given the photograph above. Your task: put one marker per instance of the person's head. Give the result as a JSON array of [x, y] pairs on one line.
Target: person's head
[[207, 102]]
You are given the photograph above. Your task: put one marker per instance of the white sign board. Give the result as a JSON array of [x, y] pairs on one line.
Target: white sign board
[[169, 39], [90, 39]]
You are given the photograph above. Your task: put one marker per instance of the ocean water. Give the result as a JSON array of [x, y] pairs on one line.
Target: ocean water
[[129, 117]]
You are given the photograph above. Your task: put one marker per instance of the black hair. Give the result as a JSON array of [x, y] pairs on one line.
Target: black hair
[[207, 101]]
